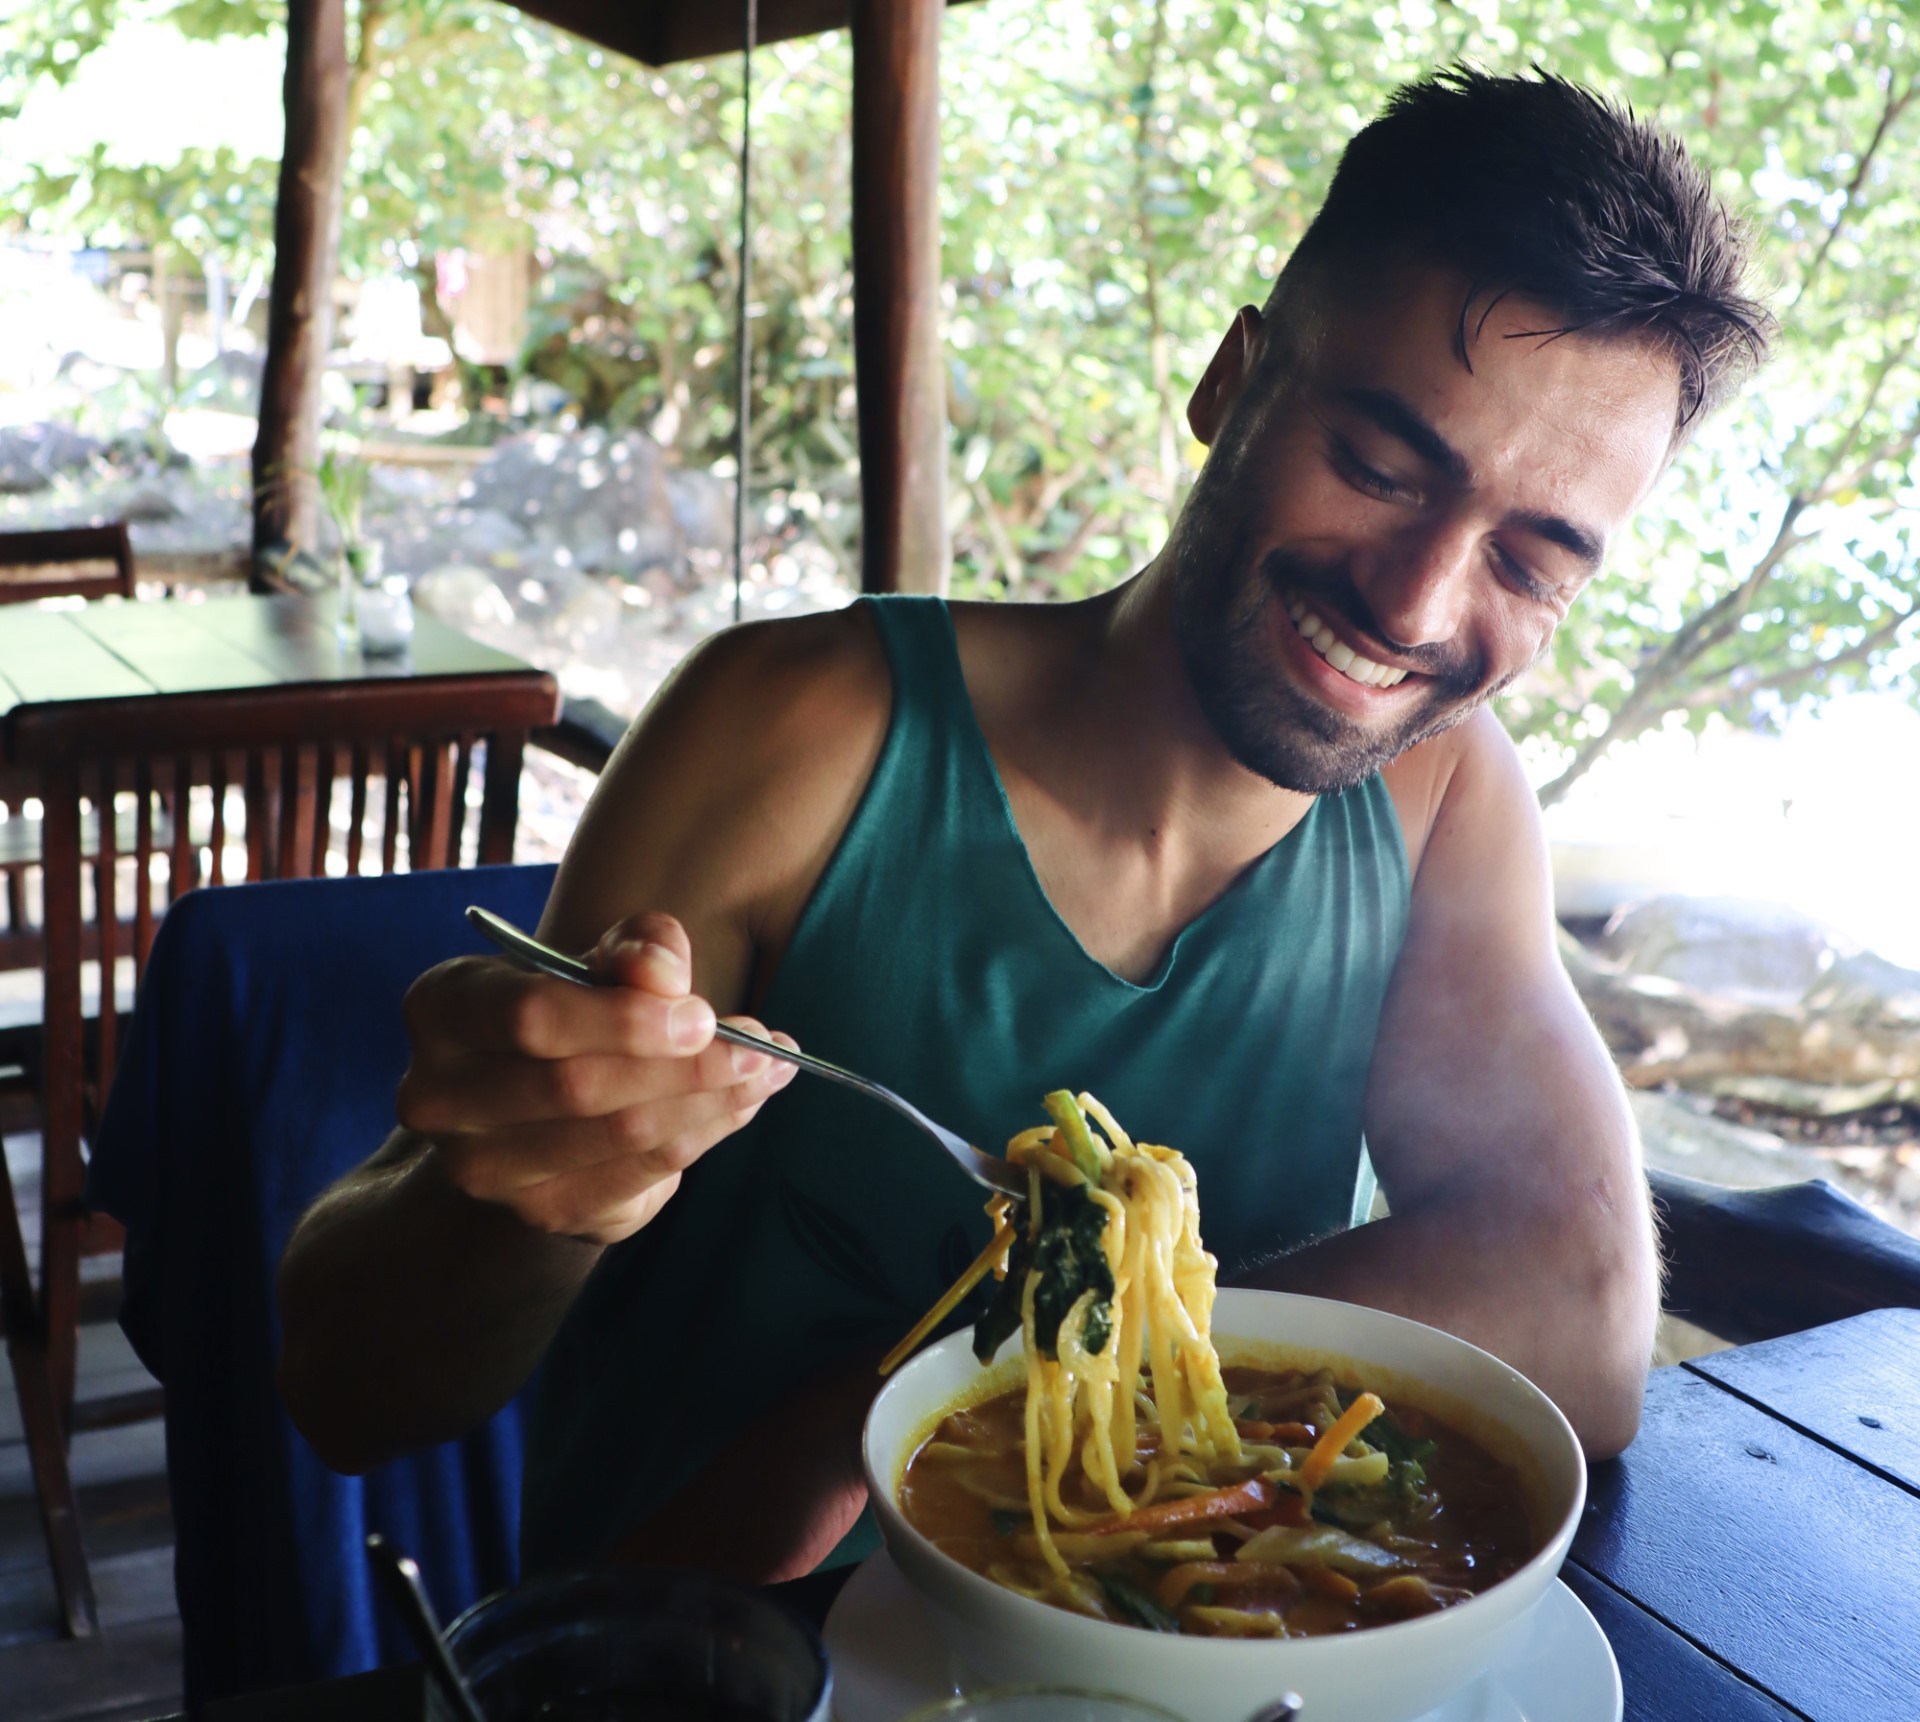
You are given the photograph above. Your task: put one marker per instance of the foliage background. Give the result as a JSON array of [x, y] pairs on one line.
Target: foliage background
[[1120, 175]]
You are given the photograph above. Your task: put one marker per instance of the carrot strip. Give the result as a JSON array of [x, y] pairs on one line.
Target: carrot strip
[[1190, 1510], [1332, 1444], [983, 1264]]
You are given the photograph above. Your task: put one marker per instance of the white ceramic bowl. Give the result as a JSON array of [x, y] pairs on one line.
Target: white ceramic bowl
[[1383, 1674]]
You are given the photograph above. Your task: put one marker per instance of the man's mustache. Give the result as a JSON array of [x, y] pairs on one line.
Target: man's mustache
[[1455, 670]]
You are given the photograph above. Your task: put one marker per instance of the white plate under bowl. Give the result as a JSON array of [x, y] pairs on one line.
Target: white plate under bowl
[[888, 1660]]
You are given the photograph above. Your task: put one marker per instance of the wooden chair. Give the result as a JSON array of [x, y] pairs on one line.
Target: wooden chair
[[208, 789], [1748, 1265], [74, 561], [68, 561]]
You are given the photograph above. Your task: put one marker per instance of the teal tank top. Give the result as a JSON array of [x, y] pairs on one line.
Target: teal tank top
[[930, 958]]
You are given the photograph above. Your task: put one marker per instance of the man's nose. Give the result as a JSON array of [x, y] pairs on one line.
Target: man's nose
[[1419, 585]]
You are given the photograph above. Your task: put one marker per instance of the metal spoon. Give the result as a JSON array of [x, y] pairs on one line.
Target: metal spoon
[[985, 1169], [401, 1579], [1283, 1709]]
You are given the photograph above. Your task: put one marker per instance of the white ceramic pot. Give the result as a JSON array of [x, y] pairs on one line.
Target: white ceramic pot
[[1384, 1674]]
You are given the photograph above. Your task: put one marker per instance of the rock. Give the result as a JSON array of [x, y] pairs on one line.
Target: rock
[[32, 456], [487, 535], [1762, 953], [1662, 1032], [702, 508], [1682, 1135], [1868, 986], [598, 502], [148, 506], [465, 598]]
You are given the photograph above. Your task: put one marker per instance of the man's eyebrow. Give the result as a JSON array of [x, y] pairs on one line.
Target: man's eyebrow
[[1557, 530], [1394, 416], [1397, 419]]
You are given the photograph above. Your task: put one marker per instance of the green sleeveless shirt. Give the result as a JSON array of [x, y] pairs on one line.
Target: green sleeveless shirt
[[930, 958]]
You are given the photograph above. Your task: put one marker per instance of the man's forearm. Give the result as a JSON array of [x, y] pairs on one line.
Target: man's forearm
[[411, 1312], [1568, 1303]]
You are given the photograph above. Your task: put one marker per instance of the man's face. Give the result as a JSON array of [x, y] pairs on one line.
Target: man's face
[[1381, 539]]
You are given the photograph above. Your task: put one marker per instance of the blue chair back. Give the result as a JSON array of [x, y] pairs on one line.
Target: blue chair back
[[265, 1052]]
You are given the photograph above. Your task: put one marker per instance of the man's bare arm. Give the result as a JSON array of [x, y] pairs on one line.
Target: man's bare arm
[[543, 1121], [1499, 1128]]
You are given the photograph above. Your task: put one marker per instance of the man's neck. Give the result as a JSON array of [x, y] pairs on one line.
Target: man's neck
[[1134, 815], [1175, 770]]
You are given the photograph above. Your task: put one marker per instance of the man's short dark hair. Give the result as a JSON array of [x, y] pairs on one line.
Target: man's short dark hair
[[1538, 187]]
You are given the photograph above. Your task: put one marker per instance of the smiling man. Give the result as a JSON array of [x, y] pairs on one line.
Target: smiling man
[[1238, 846]]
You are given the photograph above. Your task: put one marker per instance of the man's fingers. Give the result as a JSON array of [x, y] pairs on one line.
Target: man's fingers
[[650, 1141], [487, 1005], [469, 1093], [650, 952]]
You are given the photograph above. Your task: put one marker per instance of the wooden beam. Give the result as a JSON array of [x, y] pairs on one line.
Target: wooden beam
[[898, 362], [663, 32], [306, 244]]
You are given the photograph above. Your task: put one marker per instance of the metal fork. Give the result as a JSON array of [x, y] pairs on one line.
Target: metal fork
[[985, 1169]]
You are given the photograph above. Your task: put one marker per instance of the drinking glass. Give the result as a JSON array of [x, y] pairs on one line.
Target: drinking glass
[[640, 1644]]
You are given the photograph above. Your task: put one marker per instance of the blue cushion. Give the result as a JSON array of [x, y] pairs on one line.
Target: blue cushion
[[261, 1066]]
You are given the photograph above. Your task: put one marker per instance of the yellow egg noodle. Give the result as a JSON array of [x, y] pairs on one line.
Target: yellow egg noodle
[[1084, 1395]]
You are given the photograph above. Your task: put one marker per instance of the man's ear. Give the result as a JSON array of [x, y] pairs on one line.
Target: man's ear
[[1232, 363]]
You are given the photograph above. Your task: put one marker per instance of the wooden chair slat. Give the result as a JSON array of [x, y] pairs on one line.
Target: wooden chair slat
[[390, 826], [357, 807], [106, 911], [143, 850], [180, 865], [320, 838], [462, 775], [217, 836]]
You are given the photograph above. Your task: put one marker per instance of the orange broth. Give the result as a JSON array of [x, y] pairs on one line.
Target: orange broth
[[1462, 1529]]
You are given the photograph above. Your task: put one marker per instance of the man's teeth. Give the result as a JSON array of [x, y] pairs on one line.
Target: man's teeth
[[1338, 653]]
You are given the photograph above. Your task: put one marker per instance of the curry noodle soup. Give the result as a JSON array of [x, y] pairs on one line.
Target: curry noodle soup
[[1410, 1517], [1130, 1478]]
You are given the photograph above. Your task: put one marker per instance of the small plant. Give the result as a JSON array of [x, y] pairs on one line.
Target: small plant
[[342, 479]]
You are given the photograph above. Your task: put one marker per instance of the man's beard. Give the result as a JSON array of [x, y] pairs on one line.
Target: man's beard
[[1270, 727]]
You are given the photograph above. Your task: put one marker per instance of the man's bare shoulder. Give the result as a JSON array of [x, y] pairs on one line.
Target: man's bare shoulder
[[728, 793], [792, 688], [1448, 786]]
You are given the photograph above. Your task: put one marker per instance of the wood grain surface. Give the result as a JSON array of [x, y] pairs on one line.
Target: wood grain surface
[[1854, 1385], [1665, 1678], [1779, 1557]]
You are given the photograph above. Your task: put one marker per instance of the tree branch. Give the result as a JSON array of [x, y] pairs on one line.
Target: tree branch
[[1890, 361], [1796, 675], [1895, 105]]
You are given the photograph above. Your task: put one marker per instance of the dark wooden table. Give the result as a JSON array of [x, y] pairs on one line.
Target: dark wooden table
[[135, 651], [1753, 1557]]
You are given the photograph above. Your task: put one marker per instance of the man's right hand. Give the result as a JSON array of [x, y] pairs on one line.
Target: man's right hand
[[578, 1108]]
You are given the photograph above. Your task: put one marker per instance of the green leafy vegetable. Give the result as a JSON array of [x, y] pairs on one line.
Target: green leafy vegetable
[[1071, 1259], [1006, 1523], [1139, 1607], [1071, 1122], [1406, 1454]]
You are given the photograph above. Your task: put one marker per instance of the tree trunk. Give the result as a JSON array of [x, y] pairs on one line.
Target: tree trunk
[[896, 296], [306, 240]]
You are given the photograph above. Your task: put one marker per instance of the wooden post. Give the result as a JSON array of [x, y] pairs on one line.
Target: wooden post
[[896, 295], [306, 243]]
